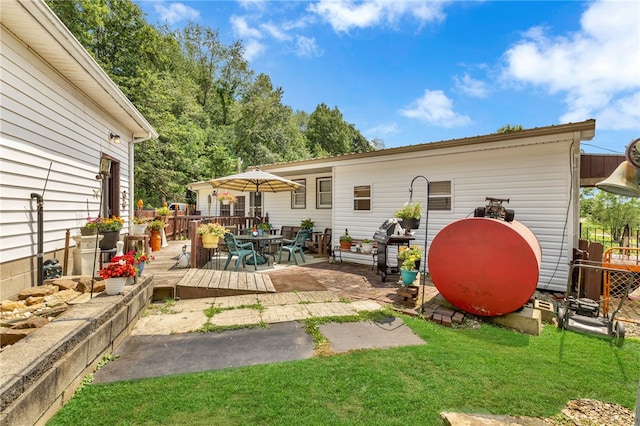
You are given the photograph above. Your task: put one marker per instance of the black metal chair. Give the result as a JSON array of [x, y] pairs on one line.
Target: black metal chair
[[295, 246], [241, 250]]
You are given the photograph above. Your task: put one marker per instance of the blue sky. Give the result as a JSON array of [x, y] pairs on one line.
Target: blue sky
[[409, 72]]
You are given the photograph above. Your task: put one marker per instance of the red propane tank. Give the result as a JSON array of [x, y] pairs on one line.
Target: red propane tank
[[485, 266]]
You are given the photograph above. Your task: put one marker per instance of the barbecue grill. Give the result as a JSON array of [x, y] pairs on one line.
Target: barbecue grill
[[390, 236]]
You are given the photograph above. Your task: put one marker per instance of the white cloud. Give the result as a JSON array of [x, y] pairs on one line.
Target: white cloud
[[275, 32], [344, 15], [253, 49], [596, 67], [175, 12], [242, 29], [435, 108], [471, 86], [383, 129], [307, 47]]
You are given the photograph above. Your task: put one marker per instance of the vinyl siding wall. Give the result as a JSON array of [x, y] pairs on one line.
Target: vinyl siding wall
[[535, 177], [45, 120]]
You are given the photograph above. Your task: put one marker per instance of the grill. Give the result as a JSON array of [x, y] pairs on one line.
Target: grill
[[390, 236]]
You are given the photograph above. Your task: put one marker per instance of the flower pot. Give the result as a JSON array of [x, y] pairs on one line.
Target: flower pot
[[410, 223], [110, 239], [114, 285], [138, 229], [226, 202], [88, 231], [367, 248], [140, 266], [155, 241], [345, 245], [210, 241], [408, 277]]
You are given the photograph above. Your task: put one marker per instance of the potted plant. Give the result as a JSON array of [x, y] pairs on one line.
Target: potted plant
[[410, 257], [139, 260], [410, 214], [226, 198], [139, 225], [367, 245], [117, 272], [264, 228], [110, 229], [211, 233], [345, 240], [163, 212], [307, 224], [155, 226], [90, 227]]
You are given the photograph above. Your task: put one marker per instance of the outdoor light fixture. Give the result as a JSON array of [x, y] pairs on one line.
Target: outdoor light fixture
[[105, 166], [113, 138]]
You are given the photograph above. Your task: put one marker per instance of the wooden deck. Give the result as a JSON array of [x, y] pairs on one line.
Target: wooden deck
[[199, 283]]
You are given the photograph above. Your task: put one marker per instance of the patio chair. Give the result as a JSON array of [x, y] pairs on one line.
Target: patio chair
[[241, 250], [295, 245]]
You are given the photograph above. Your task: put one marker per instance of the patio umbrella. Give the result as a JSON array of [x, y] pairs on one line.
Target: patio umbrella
[[255, 181]]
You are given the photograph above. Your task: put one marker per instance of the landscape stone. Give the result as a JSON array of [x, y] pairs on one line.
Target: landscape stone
[[40, 291]]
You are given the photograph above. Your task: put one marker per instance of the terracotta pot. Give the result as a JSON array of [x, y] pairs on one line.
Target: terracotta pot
[[155, 241], [210, 241], [345, 245]]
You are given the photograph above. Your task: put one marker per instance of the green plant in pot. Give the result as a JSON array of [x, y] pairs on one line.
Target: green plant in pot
[[163, 211], [345, 240], [155, 225], [367, 245], [410, 257], [410, 214], [264, 227], [307, 224]]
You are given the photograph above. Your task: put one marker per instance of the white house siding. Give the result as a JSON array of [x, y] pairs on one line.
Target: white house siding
[[534, 173], [46, 120]]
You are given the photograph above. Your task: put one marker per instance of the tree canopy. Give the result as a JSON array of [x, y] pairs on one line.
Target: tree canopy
[[211, 110]]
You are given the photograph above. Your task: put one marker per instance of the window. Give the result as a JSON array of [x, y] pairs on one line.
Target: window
[[299, 196], [255, 204], [440, 195], [239, 206], [323, 193], [362, 197]]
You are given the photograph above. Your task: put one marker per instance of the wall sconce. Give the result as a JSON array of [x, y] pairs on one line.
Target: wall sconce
[[114, 138], [124, 200], [105, 166]]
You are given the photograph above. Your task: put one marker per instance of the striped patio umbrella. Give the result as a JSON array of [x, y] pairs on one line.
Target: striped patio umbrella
[[255, 181]]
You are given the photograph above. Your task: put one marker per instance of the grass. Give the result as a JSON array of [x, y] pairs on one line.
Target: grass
[[485, 370]]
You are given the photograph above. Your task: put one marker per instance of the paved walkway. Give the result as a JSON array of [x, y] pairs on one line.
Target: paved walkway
[[350, 288]]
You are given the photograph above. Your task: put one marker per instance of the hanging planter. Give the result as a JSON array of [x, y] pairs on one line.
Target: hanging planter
[[411, 223]]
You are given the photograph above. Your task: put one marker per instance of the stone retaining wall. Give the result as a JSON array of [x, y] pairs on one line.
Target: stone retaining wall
[[40, 373]]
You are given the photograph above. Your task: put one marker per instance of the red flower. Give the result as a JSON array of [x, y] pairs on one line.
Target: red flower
[[120, 266]]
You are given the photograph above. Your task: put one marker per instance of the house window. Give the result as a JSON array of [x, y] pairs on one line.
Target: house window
[[362, 197], [225, 210], [255, 204], [440, 195], [239, 206], [323, 193], [299, 196]]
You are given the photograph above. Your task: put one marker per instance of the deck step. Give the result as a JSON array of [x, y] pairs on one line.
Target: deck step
[[199, 283]]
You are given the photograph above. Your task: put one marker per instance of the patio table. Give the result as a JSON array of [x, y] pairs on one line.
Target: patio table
[[259, 243]]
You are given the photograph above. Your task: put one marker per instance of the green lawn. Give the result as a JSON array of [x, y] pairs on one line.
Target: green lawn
[[487, 370]]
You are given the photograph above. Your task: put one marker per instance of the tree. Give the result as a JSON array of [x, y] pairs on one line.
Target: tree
[[614, 212]]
